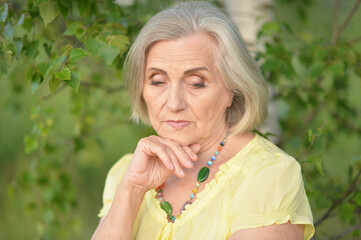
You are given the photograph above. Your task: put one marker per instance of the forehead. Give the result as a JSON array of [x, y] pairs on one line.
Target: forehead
[[195, 50]]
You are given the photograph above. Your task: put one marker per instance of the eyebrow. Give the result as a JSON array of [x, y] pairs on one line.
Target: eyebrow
[[185, 72]]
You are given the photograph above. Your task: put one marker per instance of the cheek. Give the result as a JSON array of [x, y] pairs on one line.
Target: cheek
[[210, 108], [153, 102]]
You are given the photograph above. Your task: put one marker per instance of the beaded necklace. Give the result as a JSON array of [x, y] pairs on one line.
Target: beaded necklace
[[202, 176]]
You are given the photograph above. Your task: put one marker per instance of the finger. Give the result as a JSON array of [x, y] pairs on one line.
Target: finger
[[183, 157], [196, 147], [190, 153], [160, 151], [177, 168], [166, 159]]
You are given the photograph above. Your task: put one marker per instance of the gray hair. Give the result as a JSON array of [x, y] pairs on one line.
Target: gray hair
[[237, 68]]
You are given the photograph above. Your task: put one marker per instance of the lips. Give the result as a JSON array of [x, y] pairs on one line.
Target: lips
[[178, 124]]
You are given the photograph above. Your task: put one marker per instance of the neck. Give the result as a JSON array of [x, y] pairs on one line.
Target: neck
[[233, 145], [209, 146]]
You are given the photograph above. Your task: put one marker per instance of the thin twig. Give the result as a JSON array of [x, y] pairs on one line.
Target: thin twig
[[47, 97], [106, 88], [313, 141], [336, 8], [355, 40], [101, 128], [346, 232], [348, 19], [351, 188], [346, 122]]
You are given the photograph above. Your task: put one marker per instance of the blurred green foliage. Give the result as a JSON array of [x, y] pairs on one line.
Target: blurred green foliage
[[65, 112]]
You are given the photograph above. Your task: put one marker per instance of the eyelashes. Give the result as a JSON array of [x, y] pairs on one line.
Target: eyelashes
[[156, 83], [194, 85], [198, 85], [194, 81]]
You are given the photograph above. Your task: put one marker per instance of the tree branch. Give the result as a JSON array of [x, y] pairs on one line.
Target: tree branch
[[349, 18], [351, 188], [355, 40], [336, 8]]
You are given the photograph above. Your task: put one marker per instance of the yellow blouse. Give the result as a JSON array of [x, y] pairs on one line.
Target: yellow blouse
[[261, 185]]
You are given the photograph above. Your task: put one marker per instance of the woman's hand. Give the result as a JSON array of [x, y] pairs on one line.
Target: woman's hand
[[155, 159]]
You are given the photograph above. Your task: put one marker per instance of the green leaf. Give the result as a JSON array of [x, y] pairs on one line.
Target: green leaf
[[347, 212], [74, 81], [108, 54], [356, 233], [59, 62], [63, 74], [271, 63], [317, 68], [120, 42], [77, 54], [31, 48], [337, 68], [37, 3], [93, 45], [99, 48], [35, 81], [78, 144], [5, 61], [18, 42], [357, 198], [321, 52], [318, 164], [64, 10], [30, 143], [75, 29], [48, 11], [71, 30], [54, 84], [48, 72], [84, 6], [270, 28], [323, 202], [8, 30], [4, 13], [21, 19]]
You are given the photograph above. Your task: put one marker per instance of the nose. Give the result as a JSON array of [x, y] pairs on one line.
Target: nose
[[176, 101]]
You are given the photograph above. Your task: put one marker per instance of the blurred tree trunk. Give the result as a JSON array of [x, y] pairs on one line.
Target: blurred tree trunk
[[249, 15]]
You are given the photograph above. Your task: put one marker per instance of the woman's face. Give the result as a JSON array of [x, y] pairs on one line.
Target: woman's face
[[184, 92]]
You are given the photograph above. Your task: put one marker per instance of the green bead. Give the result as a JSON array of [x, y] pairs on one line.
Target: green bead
[[203, 174], [197, 185], [166, 207]]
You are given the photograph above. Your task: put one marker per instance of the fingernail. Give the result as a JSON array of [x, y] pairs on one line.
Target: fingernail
[[189, 164], [171, 166], [182, 173]]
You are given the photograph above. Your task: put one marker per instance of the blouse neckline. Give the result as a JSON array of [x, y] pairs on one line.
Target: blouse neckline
[[203, 197]]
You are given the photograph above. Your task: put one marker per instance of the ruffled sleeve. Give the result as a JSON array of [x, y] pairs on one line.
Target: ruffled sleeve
[[114, 177], [271, 192]]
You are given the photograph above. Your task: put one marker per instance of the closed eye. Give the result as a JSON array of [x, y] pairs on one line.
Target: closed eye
[[198, 85], [156, 83], [195, 81]]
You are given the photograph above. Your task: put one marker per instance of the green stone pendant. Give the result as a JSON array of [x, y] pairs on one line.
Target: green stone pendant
[[203, 174], [166, 207]]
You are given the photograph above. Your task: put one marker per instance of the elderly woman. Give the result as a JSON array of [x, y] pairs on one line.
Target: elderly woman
[[205, 175]]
